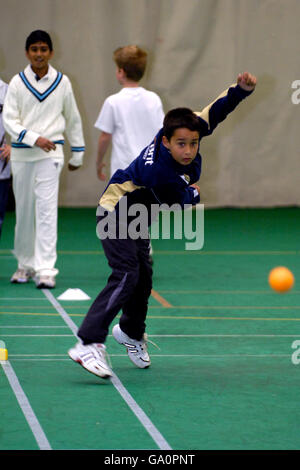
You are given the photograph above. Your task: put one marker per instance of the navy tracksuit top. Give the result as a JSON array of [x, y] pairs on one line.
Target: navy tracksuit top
[[154, 177]]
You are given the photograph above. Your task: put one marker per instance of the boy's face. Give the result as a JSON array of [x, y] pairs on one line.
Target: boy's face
[[183, 145], [39, 55]]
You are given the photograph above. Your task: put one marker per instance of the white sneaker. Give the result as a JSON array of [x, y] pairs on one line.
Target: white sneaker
[[92, 357], [136, 350], [45, 282], [21, 276]]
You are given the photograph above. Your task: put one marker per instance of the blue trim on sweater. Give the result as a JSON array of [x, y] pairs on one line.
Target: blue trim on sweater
[[41, 96], [19, 145], [21, 135]]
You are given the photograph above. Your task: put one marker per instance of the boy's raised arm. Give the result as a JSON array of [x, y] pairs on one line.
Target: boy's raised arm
[[225, 103]]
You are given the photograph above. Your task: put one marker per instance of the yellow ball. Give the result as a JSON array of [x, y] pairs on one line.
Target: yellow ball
[[281, 279]]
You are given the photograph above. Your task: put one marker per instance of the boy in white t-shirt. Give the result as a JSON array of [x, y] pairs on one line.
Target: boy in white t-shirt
[[131, 118]]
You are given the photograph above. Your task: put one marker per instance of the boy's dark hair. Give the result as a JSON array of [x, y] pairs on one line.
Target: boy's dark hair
[[38, 36], [178, 118], [133, 60]]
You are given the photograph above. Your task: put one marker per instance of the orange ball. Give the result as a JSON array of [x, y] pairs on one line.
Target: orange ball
[[281, 279]]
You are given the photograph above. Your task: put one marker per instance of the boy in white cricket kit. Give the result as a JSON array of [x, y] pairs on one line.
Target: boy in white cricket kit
[[39, 108]]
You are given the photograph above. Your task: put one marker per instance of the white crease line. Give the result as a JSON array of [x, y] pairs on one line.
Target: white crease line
[[225, 336], [22, 298], [31, 326], [152, 336], [135, 408], [29, 414], [36, 336], [54, 357]]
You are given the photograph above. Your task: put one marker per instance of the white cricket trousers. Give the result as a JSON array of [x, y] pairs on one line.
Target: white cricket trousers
[[35, 186]]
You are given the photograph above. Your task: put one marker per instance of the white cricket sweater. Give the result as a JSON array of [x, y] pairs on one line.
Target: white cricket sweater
[[42, 108]]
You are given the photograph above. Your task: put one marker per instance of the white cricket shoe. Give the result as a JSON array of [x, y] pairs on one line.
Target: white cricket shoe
[[45, 282], [21, 276], [136, 350], [92, 357]]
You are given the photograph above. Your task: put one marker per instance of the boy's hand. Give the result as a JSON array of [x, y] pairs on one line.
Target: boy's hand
[[72, 167], [5, 152], [246, 81], [195, 186], [45, 144], [100, 173]]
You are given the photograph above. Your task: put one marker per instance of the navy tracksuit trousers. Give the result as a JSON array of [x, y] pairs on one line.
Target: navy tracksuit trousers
[[128, 290]]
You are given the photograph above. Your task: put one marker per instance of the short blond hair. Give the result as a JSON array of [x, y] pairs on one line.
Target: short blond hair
[[133, 60]]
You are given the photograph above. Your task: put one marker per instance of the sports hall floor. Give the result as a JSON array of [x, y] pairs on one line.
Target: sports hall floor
[[223, 376]]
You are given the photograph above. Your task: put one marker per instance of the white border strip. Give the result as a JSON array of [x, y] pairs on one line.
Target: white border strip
[[61, 357], [31, 418], [135, 408], [216, 336]]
